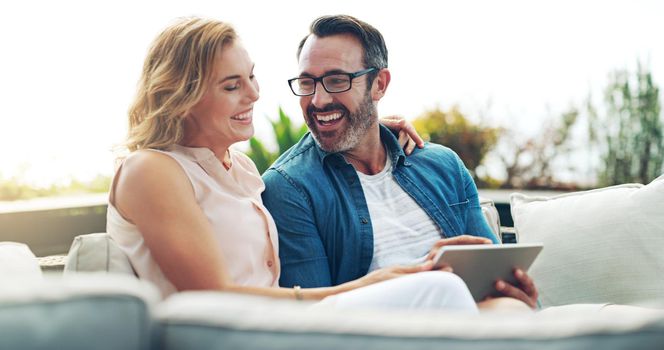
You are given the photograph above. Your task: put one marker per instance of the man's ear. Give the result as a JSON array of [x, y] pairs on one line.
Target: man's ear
[[379, 86]]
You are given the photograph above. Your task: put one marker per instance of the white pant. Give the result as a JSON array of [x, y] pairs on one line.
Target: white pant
[[431, 290]]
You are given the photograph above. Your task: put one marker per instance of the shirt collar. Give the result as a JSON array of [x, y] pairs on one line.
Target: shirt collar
[[395, 152]]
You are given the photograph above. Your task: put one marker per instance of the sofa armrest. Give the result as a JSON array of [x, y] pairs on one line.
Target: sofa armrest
[[491, 215]]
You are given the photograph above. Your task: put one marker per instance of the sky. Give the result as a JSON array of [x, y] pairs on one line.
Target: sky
[[68, 69]]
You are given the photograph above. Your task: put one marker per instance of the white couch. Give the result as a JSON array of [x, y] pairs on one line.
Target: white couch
[[601, 246]]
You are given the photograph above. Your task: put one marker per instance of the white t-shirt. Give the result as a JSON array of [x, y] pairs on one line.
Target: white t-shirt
[[403, 232]]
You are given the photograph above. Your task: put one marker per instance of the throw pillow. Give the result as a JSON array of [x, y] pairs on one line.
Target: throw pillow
[[97, 252], [600, 246]]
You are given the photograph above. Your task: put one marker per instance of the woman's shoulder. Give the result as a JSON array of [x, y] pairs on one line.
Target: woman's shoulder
[[145, 177], [150, 168], [148, 160]]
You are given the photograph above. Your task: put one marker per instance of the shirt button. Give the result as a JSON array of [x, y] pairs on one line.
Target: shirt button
[[269, 263], [364, 221]]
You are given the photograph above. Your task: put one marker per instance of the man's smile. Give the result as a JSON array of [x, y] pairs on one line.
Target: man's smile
[[328, 120]]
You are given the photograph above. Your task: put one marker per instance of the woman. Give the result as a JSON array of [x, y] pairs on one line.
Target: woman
[[187, 209]]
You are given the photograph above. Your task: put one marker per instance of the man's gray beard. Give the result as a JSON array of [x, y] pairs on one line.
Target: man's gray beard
[[359, 124]]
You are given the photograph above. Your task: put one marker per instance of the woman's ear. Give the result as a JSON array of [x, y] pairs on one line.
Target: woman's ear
[[380, 84]]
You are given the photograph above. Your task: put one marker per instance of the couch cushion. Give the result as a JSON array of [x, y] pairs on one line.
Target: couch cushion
[[76, 312], [97, 252], [207, 320], [600, 246]]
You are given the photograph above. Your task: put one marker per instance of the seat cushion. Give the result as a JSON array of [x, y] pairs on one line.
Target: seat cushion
[[76, 312], [600, 246], [206, 320]]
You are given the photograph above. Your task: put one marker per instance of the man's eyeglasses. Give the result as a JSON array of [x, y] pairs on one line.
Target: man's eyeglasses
[[332, 82]]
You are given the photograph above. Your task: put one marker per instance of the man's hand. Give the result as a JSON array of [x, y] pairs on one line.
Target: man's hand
[[408, 136], [524, 291], [458, 240]]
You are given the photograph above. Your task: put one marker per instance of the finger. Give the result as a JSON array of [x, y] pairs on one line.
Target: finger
[[446, 268], [425, 266], [435, 248], [410, 129], [410, 146], [467, 239], [393, 122], [404, 270], [439, 243], [509, 290], [432, 253], [403, 138], [526, 283]]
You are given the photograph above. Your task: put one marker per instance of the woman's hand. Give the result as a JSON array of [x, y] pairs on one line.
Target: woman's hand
[[408, 136], [388, 273]]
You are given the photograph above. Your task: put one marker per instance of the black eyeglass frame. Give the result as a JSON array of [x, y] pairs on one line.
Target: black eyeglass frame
[[351, 76]]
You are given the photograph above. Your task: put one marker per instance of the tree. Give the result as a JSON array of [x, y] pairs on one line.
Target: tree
[[531, 164], [285, 133], [469, 140], [629, 135]]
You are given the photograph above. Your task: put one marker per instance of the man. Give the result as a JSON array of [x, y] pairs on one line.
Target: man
[[346, 200]]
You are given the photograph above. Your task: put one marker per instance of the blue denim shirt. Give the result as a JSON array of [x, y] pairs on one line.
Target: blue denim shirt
[[325, 232]]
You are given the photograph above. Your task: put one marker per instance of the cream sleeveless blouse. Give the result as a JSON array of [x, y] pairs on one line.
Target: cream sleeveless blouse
[[231, 200]]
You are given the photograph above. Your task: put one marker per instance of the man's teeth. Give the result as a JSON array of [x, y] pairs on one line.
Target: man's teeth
[[329, 117], [242, 116]]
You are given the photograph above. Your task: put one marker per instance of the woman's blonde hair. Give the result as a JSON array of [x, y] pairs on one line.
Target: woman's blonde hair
[[174, 78]]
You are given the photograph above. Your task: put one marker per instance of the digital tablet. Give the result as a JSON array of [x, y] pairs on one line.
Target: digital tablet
[[480, 265]]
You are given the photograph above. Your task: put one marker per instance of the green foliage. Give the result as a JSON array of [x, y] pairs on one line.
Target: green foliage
[[286, 135], [13, 189], [471, 141], [630, 132]]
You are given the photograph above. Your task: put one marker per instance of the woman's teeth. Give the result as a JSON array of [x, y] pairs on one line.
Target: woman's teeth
[[243, 116]]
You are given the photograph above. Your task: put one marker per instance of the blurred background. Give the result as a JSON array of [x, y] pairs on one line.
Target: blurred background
[[546, 95]]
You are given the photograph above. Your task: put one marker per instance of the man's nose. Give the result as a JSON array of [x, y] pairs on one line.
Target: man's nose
[[320, 97]]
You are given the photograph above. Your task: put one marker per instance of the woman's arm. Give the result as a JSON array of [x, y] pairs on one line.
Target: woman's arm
[[155, 194], [320, 293]]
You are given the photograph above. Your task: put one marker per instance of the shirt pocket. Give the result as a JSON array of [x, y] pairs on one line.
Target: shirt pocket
[[460, 210]]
